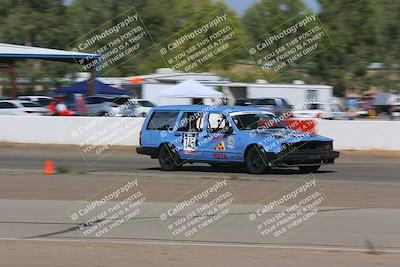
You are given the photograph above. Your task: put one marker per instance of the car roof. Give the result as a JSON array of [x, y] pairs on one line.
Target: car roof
[[35, 96], [207, 108], [16, 101]]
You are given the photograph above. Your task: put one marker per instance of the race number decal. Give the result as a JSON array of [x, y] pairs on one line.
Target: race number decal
[[189, 141]]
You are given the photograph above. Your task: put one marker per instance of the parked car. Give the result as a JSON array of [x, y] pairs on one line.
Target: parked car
[[110, 105], [143, 107], [329, 111], [396, 107], [276, 105], [229, 135], [41, 100], [21, 107], [243, 102]]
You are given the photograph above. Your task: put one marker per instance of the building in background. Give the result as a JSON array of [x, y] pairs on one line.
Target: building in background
[[150, 86]]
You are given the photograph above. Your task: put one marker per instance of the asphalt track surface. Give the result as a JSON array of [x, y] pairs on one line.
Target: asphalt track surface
[[359, 224]]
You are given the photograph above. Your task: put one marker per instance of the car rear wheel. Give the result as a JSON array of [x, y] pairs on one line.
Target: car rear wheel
[[308, 169], [168, 158], [256, 160]]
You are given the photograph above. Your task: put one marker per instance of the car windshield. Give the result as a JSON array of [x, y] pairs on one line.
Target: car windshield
[[120, 100], [255, 120], [30, 105], [145, 103]]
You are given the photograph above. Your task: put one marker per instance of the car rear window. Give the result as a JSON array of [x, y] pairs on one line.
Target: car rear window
[[162, 120], [30, 105]]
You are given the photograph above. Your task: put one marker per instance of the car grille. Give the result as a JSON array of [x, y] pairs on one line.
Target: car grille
[[310, 145]]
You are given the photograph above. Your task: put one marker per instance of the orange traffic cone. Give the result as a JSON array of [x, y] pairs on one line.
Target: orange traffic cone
[[48, 167]]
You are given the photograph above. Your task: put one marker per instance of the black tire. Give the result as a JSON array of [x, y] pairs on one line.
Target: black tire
[[168, 159], [256, 160], [308, 169]]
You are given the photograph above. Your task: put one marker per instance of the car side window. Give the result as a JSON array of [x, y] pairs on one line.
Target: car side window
[[191, 122], [162, 120], [94, 100], [89, 100], [99, 100], [44, 101], [217, 123], [4, 105]]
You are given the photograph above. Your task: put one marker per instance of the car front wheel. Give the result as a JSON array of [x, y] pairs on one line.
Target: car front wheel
[[168, 158], [256, 161]]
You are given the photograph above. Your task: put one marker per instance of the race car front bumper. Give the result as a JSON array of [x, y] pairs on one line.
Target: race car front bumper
[[305, 158]]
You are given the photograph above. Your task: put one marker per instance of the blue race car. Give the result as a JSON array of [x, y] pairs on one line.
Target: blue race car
[[224, 136]]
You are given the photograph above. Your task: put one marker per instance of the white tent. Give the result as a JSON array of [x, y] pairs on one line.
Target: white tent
[[191, 89]]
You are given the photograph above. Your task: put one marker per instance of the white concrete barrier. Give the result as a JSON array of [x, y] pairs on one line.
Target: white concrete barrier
[[357, 135], [361, 135], [70, 130]]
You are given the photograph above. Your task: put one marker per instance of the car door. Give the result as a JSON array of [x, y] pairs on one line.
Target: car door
[[8, 108], [218, 139], [187, 135]]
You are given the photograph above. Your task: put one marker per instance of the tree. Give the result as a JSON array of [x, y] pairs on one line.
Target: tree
[[263, 17], [162, 19], [353, 27], [35, 23]]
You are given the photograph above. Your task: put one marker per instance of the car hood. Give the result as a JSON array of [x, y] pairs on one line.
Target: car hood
[[286, 135]]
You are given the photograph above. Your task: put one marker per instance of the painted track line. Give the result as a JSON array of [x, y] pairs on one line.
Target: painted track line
[[208, 244]]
